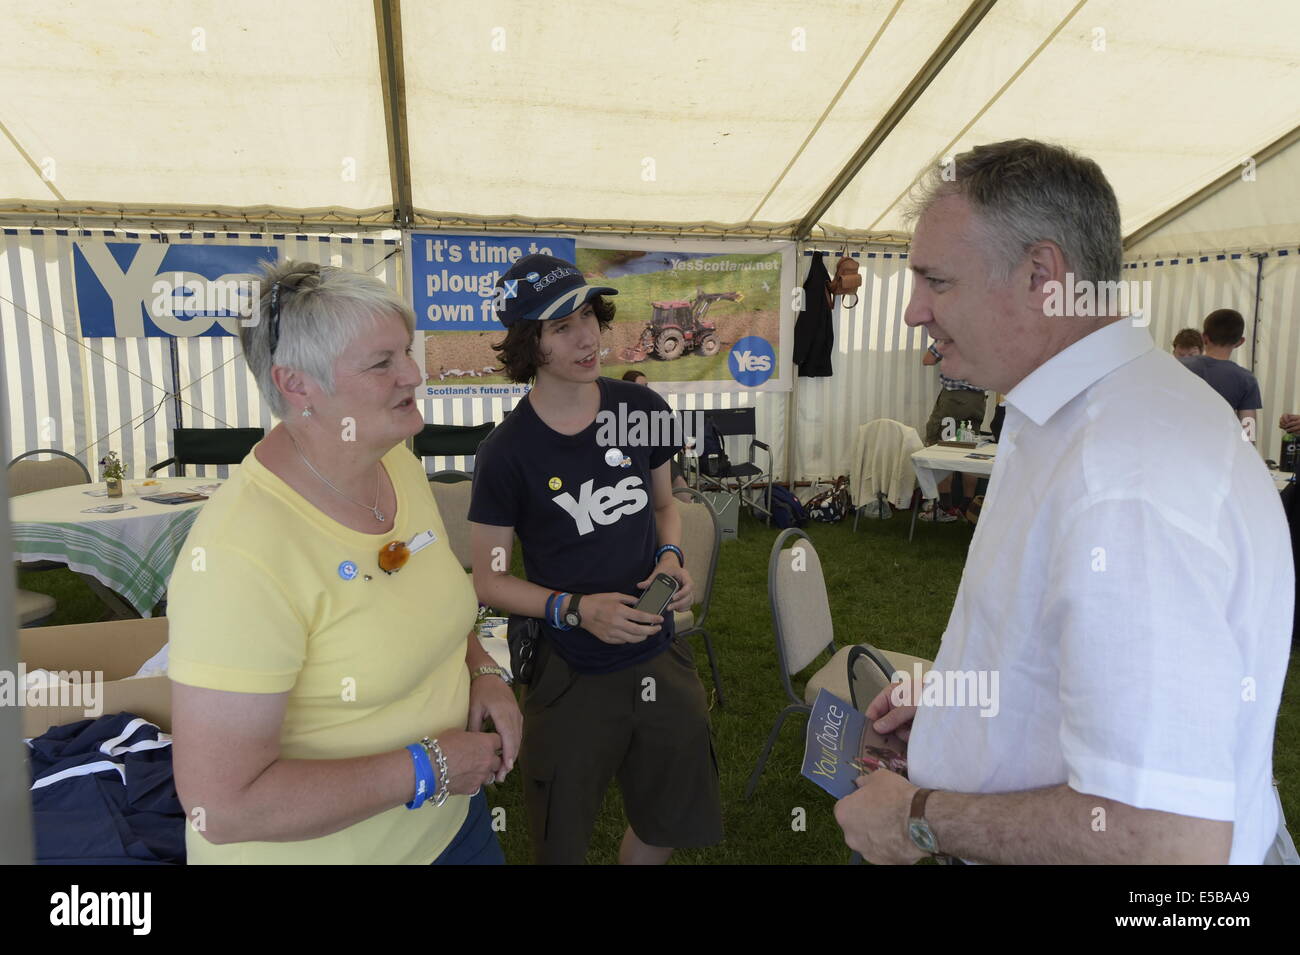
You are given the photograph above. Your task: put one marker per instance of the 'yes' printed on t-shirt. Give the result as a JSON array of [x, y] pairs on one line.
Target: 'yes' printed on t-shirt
[[603, 505]]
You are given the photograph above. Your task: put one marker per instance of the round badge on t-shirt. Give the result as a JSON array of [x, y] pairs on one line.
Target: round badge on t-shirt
[[614, 458]]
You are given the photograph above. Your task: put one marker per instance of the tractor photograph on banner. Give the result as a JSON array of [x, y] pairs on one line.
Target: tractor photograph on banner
[[688, 314], [676, 328]]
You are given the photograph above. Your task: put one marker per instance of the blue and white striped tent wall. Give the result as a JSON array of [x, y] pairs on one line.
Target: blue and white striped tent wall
[[769, 420], [90, 396], [877, 370], [1185, 289]]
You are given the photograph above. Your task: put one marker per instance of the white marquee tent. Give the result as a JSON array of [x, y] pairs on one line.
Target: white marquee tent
[[337, 123]]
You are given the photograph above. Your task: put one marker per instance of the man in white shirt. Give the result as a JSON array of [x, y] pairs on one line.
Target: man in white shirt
[[1132, 599]]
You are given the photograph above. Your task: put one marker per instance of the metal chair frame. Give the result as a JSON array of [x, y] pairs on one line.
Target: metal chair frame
[[63, 454], [719, 421], [797, 705], [707, 596], [233, 445]]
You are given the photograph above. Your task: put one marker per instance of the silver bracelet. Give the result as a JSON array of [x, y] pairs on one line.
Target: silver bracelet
[[484, 670], [440, 761]]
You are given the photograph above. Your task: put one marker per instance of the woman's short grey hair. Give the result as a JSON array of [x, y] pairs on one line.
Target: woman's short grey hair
[[1024, 192], [322, 310]]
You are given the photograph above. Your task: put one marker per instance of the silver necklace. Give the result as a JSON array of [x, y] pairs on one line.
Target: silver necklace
[[372, 508]]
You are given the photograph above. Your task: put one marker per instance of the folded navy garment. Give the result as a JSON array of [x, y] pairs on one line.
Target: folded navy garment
[[103, 793]]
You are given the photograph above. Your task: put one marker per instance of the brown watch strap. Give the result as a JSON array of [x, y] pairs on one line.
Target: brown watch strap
[[918, 804]]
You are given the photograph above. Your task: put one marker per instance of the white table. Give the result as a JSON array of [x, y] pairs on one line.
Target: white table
[[937, 462], [127, 556]]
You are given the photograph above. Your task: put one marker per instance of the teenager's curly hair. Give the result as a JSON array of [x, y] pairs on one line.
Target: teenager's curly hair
[[521, 351]]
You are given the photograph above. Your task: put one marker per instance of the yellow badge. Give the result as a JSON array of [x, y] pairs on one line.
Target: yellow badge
[[554, 484]]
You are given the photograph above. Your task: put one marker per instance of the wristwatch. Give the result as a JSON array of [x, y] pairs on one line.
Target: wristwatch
[[571, 615], [917, 828]]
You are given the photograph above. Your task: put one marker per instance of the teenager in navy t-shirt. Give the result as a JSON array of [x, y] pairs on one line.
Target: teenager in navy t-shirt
[[579, 470], [588, 520]]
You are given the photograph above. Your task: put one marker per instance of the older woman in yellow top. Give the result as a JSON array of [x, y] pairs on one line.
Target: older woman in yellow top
[[329, 692]]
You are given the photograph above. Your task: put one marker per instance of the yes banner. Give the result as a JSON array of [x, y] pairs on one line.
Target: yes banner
[[160, 290], [691, 316]]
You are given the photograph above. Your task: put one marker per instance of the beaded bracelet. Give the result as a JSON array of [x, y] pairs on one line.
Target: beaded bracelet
[[432, 748]]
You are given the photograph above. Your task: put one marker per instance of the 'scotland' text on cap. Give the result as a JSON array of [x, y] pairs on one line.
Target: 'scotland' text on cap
[[542, 287]]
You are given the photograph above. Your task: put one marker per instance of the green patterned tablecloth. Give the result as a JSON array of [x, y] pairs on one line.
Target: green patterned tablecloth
[[131, 552]]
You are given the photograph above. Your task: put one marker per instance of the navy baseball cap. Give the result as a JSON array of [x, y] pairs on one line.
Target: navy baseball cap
[[540, 287]]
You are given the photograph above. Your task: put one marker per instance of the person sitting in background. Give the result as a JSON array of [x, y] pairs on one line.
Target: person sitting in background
[[1188, 343], [958, 401], [324, 661], [1223, 331], [636, 377]]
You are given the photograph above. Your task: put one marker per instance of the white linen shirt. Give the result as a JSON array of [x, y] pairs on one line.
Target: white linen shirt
[[1131, 583]]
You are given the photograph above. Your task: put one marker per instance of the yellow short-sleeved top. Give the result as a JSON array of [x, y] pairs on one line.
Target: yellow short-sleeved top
[[271, 596]]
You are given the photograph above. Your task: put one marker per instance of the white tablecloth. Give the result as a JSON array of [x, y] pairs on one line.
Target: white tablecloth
[[936, 462]]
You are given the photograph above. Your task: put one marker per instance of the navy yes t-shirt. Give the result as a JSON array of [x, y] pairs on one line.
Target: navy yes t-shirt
[[586, 525]]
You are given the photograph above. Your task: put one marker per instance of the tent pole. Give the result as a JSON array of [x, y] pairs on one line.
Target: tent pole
[[15, 798], [962, 29], [1196, 198], [1259, 258], [392, 80], [177, 404], [791, 409]]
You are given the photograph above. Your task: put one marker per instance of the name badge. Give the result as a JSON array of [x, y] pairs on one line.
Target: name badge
[[420, 541]]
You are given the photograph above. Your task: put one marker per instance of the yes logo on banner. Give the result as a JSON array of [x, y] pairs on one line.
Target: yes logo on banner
[[752, 361], [146, 289]]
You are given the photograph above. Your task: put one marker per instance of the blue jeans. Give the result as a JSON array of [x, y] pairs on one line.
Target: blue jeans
[[475, 843]]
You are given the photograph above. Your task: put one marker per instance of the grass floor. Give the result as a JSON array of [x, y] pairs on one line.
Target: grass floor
[[882, 589]]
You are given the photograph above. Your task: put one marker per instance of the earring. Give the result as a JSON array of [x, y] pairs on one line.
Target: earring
[[306, 412]]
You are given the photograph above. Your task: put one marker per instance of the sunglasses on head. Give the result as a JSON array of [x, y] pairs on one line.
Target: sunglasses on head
[[293, 281]]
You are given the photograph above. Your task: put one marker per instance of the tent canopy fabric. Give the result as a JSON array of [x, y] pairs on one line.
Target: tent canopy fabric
[[736, 117]]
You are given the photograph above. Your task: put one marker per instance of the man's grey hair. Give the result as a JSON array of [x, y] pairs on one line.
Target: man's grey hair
[[1023, 192], [322, 311]]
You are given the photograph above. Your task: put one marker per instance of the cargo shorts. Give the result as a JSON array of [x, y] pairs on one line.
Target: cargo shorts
[[646, 725]]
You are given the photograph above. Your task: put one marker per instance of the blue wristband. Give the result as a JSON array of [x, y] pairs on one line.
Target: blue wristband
[[425, 784], [546, 614], [670, 547], [556, 621]]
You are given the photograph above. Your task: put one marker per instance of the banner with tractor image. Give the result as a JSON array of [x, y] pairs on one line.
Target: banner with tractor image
[[696, 316], [691, 316]]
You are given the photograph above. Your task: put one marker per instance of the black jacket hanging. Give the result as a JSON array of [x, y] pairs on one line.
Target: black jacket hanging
[[814, 332]]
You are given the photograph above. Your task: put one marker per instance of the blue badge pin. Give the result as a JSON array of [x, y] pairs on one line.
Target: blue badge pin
[[347, 570]]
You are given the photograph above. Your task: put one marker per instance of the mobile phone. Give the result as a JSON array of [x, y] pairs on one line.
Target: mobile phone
[[658, 595]]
